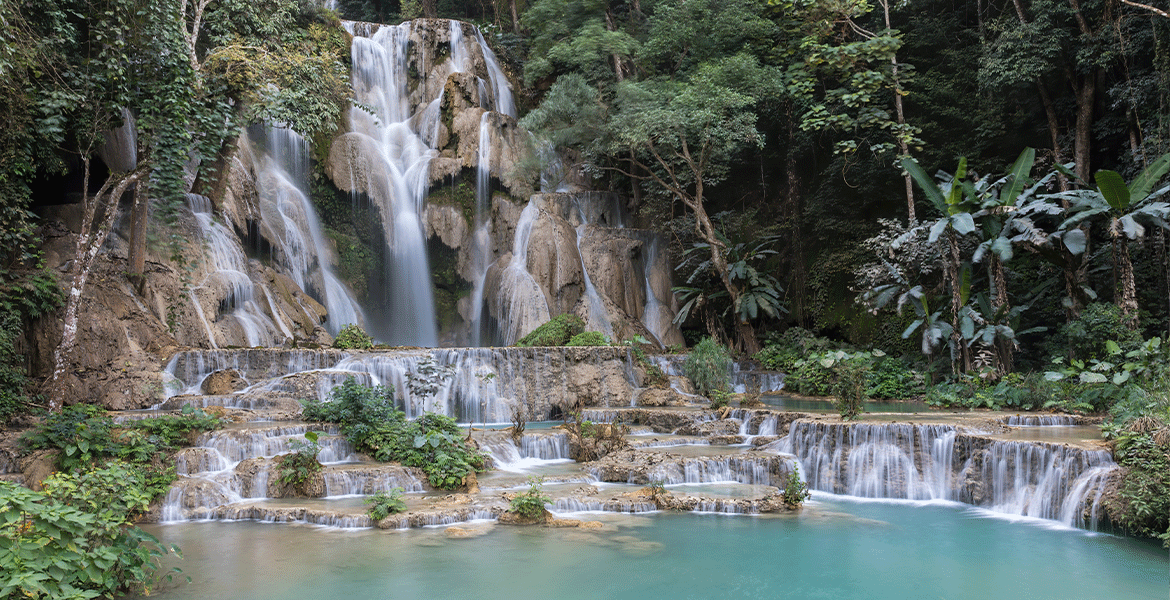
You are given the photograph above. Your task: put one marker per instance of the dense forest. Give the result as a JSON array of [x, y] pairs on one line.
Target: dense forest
[[963, 200]]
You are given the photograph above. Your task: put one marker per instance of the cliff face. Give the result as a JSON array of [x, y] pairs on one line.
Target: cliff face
[[257, 268]]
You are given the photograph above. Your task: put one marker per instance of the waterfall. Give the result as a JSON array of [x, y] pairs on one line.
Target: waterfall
[[282, 181], [525, 304], [936, 462], [380, 81], [598, 315], [228, 273], [481, 241]]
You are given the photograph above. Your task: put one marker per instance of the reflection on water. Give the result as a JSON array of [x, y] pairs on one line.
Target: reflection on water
[[832, 549]]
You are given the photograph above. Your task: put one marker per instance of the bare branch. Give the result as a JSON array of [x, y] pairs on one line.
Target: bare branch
[[1148, 7]]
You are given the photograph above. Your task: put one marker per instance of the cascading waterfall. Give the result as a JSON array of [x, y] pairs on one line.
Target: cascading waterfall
[[380, 80], [526, 305], [598, 315], [282, 182], [406, 137], [484, 387], [481, 241], [228, 269], [936, 462]]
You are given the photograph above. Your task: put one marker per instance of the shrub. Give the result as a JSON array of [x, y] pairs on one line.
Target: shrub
[[74, 540], [589, 338], [367, 417], [795, 490], [1097, 324], [383, 504], [556, 332], [782, 351], [530, 504], [358, 409], [849, 385], [892, 378], [86, 436], [1142, 447], [708, 366], [298, 466], [353, 337]]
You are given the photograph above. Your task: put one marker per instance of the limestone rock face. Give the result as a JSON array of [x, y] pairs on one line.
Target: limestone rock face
[[221, 382], [554, 263]]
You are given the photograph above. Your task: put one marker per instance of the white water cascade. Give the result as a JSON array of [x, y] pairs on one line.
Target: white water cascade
[[398, 137], [525, 305], [282, 183], [228, 272], [937, 462], [397, 130]]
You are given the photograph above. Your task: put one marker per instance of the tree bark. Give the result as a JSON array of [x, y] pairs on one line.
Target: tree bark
[[89, 242], [1126, 287], [139, 214]]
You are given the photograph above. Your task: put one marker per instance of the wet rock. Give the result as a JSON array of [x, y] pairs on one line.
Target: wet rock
[[222, 382]]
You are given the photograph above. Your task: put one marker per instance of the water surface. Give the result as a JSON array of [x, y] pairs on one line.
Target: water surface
[[835, 548]]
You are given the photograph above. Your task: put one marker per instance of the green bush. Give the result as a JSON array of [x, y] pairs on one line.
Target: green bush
[[782, 351], [795, 490], [892, 378], [589, 338], [298, 466], [849, 385], [74, 540], [556, 332], [708, 366], [353, 337], [358, 409], [368, 419], [383, 504], [1097, 324], [530, 504], [86, 436]]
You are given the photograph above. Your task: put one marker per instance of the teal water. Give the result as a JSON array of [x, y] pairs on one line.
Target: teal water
[[833, 549]]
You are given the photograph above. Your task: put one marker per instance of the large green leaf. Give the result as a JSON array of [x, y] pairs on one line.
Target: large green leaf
[[926, 183], [1142, 184], [963, 223], [1074, 241], [1113, 188], [1019, 177]]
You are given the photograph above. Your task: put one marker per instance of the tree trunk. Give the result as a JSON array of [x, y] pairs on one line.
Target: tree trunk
[[1004, 348], [1126, 288], [139, 217], [515, 16], [89, 242], [902, 145], [964, 359], [213, 178], [1086, 96]]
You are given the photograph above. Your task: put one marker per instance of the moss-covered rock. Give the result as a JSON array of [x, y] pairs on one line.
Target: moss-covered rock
[[556, 332]]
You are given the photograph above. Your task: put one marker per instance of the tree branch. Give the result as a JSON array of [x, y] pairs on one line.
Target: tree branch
[[1147, 7]]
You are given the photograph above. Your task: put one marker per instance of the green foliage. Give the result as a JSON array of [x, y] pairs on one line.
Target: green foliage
[[1097, 324], [849, 384], [74, 539], [893, 379], [781, 352], [353, 337], [530, 504], [383, 504], [589, 338], [368, 419], [556, 332], [358, 409], [720, 398], [708, 366], [795, 490], [298, 466], [86, 436], [1142, 448]]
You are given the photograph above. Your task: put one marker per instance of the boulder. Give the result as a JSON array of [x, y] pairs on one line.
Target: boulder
[[223, 382]]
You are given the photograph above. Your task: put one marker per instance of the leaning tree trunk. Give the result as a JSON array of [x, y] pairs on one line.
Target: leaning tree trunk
[[89, 242], [139, 215]]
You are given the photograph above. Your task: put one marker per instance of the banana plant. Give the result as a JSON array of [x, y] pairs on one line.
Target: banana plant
[[1127, 211], [955, 199]]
